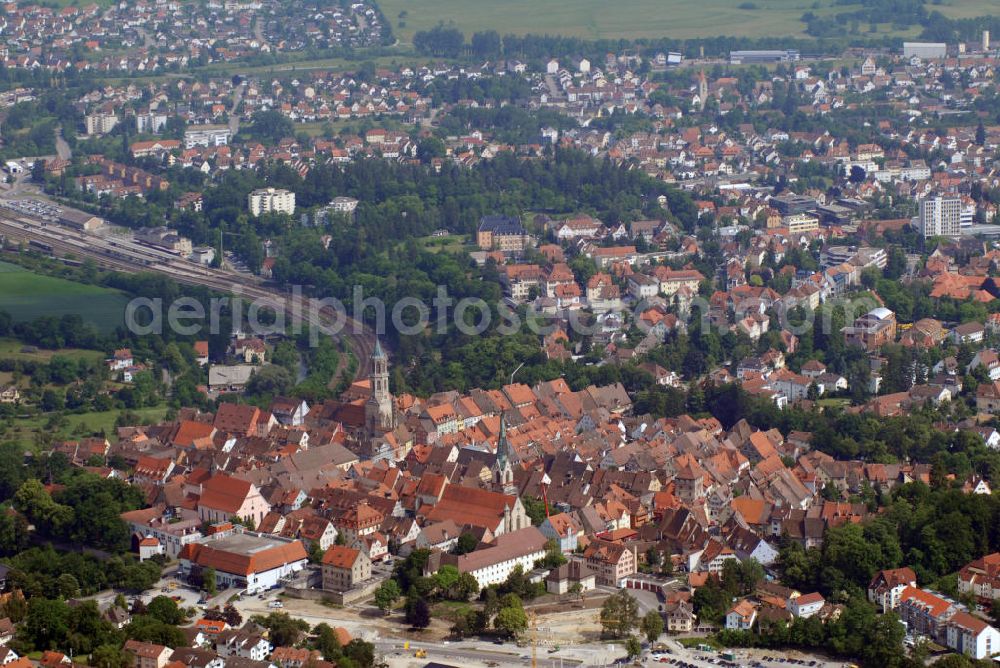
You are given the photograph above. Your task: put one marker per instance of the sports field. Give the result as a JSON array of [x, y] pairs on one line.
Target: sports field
[[26, 296], [597, 19]]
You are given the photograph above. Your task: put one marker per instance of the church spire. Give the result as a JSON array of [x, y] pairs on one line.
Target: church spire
[[380, 413], [503, 469], [503, 457]]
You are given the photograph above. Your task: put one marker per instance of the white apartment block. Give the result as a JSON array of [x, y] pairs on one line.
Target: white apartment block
[[100, 123], [940, 216], [206, 135], [271, 200]]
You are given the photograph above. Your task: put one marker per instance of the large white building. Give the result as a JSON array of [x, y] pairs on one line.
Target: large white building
[[493, 564], [925, 50], [150, 123], [245, 560], [940, 216], [206, 135], [271, 200], [972, 636], [173, 528], [100, 123], [343, 205]]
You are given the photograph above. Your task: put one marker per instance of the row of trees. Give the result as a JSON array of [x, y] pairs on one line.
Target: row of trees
[[935, 531], [502, 612], [287, 631], [619, 617], [857, 632], [84, 512]]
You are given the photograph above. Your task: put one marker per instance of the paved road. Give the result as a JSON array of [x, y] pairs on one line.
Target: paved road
[[234, 111], [62, 148], [555, 92], [258, 29], [147, 41]]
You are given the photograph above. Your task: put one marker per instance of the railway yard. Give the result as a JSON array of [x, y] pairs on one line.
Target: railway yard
[[38, 227]]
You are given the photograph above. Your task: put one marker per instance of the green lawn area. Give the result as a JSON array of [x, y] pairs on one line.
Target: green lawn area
[[14, 349], [26, 296], [833, 402], [23, 430], [451, 609], [966, 9], [316, 129], [595, 19], [453, 243]]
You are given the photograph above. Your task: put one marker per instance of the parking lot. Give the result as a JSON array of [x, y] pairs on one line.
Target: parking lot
[[37, 208], [741, 658]]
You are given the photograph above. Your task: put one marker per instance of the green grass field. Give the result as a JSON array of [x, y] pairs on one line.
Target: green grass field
[[13, 349], [597, 19], [837, 402], [453, 243], [23, 430], [26, 296], [967, 9]]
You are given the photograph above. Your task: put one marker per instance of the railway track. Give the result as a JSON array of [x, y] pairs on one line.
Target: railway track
[[130, 257]]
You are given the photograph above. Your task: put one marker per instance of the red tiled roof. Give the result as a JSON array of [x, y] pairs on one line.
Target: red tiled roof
[[341, 556], [237, 418], [263, 560], [189, 431], [934, 605], [468, 505], [969, 623], [225, 493]]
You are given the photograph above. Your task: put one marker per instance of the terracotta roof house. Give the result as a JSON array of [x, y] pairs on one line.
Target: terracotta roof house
[[344, 568], [972, 636], [294, 657], [981, 577], [237, 419], [611, 561], [224, 497], [741, 616], [52, 659], [887, 585], [192, 434], [147, 655]]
